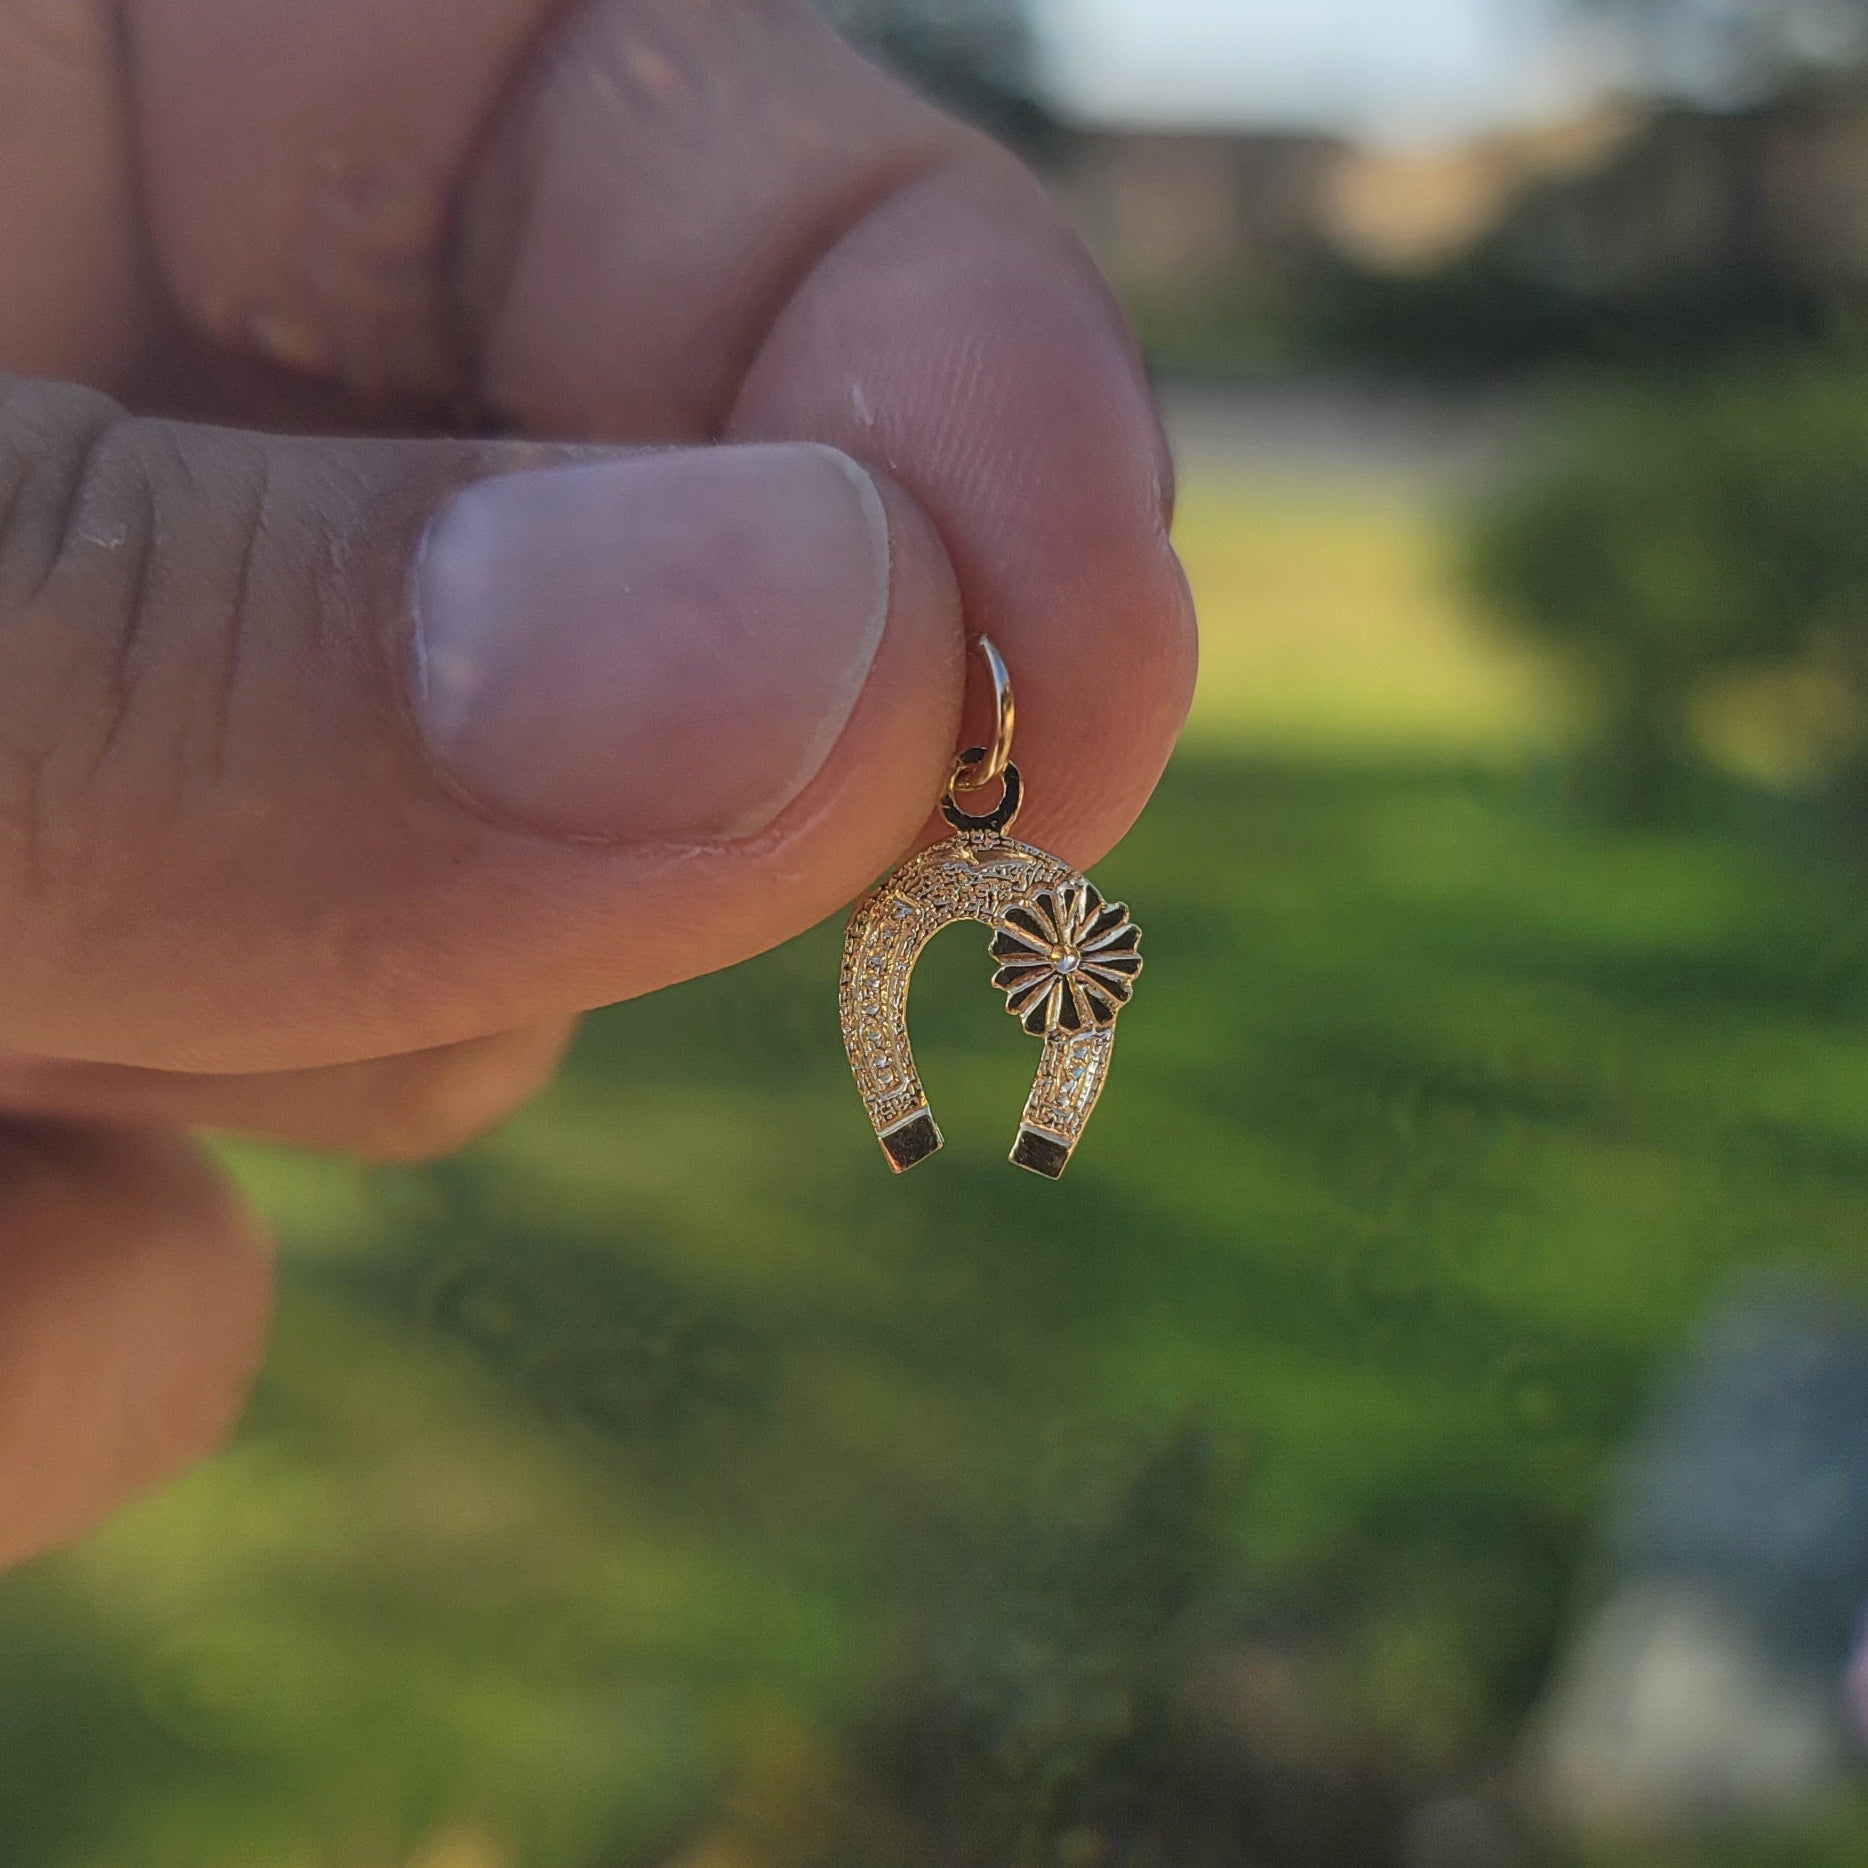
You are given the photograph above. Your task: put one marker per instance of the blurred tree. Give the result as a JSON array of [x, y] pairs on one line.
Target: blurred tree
[[1725, 49], [1728, 218], [1704, 232], [1673, 535], [975, 56]]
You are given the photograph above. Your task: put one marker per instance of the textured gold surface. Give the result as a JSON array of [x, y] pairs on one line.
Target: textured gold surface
[[976, 875]]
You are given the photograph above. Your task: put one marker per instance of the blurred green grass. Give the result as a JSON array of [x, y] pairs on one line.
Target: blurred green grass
[[610, 1489], [1333, 623]]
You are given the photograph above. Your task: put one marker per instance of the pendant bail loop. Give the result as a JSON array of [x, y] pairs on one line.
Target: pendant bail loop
[[977, 767], [1000, 818]]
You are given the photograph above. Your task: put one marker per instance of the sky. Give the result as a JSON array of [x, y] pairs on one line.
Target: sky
[[1403, 70]]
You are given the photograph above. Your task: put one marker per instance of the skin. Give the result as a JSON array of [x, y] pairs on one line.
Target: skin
[[240, 242]]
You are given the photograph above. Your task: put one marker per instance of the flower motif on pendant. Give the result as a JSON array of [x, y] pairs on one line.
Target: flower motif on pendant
[[1067, 959]]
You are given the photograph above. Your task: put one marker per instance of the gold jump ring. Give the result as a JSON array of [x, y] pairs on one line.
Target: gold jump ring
[[977, 776]]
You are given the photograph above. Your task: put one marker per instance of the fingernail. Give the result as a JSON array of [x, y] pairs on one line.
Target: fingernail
[[653, 646]]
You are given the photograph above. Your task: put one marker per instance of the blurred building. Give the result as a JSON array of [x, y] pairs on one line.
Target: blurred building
[[1402, 210], [1199, 228], [1687, 232], [1627, 230], [1204, 233], [1633, 231]]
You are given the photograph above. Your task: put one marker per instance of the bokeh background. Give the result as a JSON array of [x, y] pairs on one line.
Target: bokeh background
[[1429, 1425]]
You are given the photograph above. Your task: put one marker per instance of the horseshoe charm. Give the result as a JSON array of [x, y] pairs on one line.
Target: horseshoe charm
[[1067, 962]]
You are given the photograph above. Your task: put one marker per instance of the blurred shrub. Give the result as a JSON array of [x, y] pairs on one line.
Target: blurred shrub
[[1666, 537]]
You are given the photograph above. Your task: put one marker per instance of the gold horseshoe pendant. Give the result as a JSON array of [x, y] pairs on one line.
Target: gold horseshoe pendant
[[1067, 963]]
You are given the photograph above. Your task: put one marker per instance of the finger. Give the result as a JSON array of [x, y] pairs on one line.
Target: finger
[[656, 220], [393, 1109], [1008, 401], [313, 752], [76, 296], [134, 1295]]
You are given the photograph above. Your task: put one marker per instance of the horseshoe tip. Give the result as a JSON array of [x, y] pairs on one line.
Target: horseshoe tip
[[1039, 1153], [911, 1142]]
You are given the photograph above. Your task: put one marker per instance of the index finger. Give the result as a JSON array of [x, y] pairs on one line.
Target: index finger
[[664, 221]]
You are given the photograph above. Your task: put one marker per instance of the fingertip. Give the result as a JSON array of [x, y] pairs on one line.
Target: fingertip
[[960, 338], [134, 1302]]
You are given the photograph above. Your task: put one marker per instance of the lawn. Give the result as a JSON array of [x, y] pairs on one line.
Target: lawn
[[662, 1483]]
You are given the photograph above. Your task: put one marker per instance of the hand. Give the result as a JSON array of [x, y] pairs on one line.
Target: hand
[[338, 775]]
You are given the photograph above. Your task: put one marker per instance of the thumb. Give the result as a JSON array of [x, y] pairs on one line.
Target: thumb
[[314, 750]]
